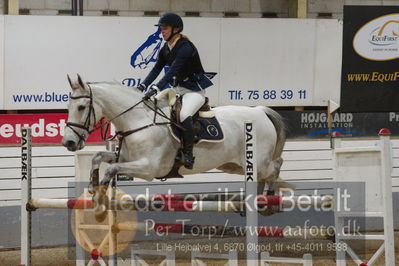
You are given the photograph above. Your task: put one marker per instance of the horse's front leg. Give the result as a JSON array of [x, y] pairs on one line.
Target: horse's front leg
[[98, 158], [139, 168]]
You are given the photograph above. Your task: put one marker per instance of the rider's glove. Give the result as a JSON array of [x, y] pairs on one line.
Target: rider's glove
[[141, 87], [151, 92]]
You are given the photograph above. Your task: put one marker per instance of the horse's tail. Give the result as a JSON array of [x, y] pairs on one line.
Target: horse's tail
[[279, 125]]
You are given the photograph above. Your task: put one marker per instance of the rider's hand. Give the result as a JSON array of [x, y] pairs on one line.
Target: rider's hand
[[141, 87], [151, 92]]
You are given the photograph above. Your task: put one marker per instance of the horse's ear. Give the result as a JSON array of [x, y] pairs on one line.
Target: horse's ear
[[70, 82], [81, 81]]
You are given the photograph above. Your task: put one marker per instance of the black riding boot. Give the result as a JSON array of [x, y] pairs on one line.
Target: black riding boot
[[188, 142]]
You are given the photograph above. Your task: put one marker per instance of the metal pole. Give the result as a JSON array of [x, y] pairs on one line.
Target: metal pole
[[80, 7], [26, 190], [74, 7]]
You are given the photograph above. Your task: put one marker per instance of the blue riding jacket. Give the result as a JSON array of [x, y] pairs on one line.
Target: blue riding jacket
[[185, 68]]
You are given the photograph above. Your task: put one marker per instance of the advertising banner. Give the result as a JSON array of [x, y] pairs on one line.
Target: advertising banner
[[314, 124], [276, 75], [2, 62], [42, 50], [370, 74], [273, 62], [46, 128], [280, 62]]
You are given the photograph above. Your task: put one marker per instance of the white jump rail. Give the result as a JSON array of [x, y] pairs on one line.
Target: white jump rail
[[265, 258], [136, 260], [231, 257]]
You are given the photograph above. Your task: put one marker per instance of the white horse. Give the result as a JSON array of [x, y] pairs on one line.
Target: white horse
[[150, 152]]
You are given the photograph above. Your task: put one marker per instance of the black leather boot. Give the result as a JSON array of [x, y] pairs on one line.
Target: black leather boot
[[188, 142]]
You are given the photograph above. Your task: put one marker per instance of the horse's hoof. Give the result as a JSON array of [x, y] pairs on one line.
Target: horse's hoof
[[270, 211], [91, 191], [101, 202], [100, 216], [104, 183]]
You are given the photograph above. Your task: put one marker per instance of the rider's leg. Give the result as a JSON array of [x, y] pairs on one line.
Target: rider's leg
[[188, 142], [192, 102]]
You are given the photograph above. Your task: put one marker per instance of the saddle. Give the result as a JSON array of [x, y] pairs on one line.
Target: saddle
[[206, 127]]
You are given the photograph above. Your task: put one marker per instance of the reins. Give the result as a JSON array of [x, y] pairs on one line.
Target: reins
[[119, 134]]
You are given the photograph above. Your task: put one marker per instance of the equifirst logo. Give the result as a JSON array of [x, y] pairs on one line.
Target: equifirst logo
[[377, 40]]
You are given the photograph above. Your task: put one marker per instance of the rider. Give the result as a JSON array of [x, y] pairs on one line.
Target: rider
[[185, 74]]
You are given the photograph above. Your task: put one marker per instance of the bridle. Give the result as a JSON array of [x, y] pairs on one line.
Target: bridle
[[86, 125], [120, 134]]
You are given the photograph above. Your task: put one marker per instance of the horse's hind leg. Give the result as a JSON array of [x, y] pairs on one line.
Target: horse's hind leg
[[275, 173], [271, 175]]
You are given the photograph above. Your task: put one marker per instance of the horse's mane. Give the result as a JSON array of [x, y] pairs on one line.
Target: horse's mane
[[113, 84], [104, 82]]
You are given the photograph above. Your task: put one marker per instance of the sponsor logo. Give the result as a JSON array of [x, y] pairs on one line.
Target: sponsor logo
[[145, 56], [393, 117], [212, 130], [40, 129], [378, 39], [249, 152], [24, 154], [46, 128], [319, 122], [147, 53]]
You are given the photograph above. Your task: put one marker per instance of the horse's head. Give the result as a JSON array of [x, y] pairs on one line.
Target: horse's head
[[83, 114]]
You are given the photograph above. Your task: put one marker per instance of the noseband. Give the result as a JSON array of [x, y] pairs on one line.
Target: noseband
[[86, 125]]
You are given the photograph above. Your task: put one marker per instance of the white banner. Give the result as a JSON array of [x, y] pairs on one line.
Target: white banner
[[267, 62], [259, 61], [2, 62]]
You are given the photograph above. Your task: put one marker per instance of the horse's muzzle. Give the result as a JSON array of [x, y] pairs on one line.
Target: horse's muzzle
[[70, 145]]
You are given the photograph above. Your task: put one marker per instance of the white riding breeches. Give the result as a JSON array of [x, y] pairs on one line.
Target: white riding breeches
[[192, 101]]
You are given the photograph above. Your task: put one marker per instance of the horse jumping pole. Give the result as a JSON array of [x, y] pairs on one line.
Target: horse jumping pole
[[26, 195], [180, 205], [251, 207]]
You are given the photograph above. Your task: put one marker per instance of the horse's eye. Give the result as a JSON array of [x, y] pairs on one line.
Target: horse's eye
[[81, 107]]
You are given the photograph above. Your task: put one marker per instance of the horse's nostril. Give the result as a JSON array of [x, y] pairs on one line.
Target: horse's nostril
[[70, 144]]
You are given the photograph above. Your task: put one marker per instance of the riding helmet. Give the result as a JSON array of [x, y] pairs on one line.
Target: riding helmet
[[171, 19]]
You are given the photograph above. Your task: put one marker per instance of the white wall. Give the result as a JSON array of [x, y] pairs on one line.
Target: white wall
[[212, 8]]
